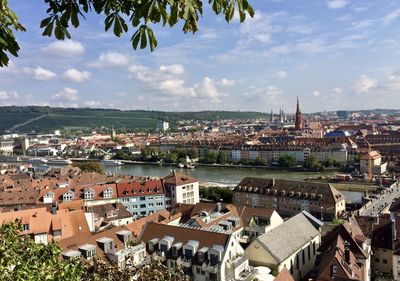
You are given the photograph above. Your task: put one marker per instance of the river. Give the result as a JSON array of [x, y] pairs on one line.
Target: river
[[222, 176]]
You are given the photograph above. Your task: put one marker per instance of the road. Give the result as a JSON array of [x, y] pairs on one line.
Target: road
[[382, 202], [26, 122]]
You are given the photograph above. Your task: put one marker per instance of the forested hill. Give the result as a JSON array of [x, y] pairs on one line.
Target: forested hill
[[48, 119]]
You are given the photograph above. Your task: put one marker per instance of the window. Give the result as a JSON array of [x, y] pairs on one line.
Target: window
[[159, 204], [150, 205], [309, 251], [88, 194], [384, 261], [67, 196], [188, 254], [314, 248], [303, 256], [25, 227], [125, 200], [142, 205], [107, 193], [57, 233], [377, 260], [142, 198], [149, 198]]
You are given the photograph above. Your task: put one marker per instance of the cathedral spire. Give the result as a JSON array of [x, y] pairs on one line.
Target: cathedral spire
[[298, 124]]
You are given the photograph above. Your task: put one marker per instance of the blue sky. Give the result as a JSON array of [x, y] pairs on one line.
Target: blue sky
[[333, 54]]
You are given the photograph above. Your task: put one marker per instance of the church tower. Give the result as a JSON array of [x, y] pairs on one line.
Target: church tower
[[272, 116], [298, 124]]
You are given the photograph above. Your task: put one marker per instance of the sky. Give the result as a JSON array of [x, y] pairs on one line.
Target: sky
[[333, 54]]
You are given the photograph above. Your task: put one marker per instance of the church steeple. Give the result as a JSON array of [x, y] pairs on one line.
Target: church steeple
[[298, 124], [272, 116]]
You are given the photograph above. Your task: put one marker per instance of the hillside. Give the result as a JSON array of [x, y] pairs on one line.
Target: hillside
[[48, 119]]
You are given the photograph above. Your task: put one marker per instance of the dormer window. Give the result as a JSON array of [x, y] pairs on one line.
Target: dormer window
[[25, 227], [89, 194], [67, 196], [107, 193]]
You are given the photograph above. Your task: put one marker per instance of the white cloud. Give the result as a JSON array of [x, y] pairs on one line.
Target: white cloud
[[121, 94], [92, 103], [6, 96], [337, 4], [337, 90], [110, 59], [393, 82], [174, 69], [66, 49], [227, 83], [67, 94], [316, 94], [280, 74], [391, 17], [39, 73], [75, 75], [208, 91], [364, 84]]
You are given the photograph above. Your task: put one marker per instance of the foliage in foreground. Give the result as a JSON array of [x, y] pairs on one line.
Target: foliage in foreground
[[22, 259], [119, 16]]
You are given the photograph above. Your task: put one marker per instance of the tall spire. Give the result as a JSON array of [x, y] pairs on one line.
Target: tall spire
[[298, 124], [272, 116]]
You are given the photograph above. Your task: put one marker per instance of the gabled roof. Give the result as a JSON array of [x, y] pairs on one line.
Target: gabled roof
[[264, 185], [180, 234], [140, 188], [288, 237], [178, 179], [71, 223]]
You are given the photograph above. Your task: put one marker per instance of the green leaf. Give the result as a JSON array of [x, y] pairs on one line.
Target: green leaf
[[135, 39], [74, 19], [143, 38], [45, 22], [117, 27], [48, 30]]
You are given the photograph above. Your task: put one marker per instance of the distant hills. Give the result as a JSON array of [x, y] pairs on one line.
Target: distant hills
[[48, 119]]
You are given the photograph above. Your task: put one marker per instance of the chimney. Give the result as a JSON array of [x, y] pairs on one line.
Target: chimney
[[219, 207], [376, 219], [54, 208], [347, 252]]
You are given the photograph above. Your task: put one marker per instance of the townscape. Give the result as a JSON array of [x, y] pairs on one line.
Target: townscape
[[268, 229], [220, 140]]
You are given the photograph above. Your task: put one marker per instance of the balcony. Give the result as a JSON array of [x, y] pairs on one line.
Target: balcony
[[210, 268], [159, 256], [181, 261], [237, 261]]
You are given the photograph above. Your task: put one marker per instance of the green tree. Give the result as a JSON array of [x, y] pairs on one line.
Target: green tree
[[90, 167], [193, 153], [311, 162], [221, 158], [171, 157], [119, 15], [22, 259], [287, 160], [121, 155], [260, 162]]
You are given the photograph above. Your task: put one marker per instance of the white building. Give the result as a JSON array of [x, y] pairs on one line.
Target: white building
[[163, 126], [293, 245], [180, 188], [205, 255]]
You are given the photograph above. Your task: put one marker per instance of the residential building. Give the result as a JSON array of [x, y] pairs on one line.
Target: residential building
[[116, 243], [45, 226], [257, 221], [345, 254], [180, 188], [288, 197], [142, 197], [292, 244], [203, 254], [374, 159], [106, 215]]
